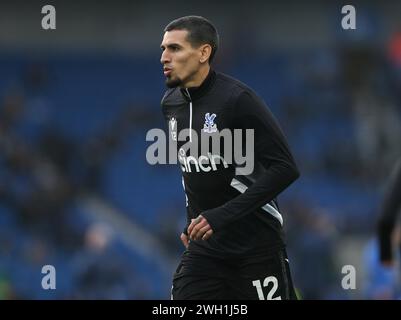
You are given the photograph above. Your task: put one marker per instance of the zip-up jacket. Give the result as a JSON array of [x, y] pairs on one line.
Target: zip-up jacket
[[241, 209]]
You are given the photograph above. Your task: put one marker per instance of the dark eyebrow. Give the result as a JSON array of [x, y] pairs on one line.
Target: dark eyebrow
[[171, 45]]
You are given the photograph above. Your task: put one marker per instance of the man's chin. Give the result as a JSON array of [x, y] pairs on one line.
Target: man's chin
[[173, 83]]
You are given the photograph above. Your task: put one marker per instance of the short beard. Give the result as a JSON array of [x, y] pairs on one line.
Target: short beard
[[173, 83]]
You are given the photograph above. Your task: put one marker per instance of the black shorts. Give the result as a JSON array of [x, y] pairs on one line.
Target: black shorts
[[200, 277]]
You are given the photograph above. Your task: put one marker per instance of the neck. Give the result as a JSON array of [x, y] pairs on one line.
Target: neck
[[199, 77]]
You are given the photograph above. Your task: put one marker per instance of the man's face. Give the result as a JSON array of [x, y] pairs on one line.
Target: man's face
[[179, 59]]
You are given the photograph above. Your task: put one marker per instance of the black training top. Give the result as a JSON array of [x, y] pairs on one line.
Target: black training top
[[241, 209]]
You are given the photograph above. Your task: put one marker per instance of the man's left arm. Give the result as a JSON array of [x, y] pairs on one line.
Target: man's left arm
[[271, 150]]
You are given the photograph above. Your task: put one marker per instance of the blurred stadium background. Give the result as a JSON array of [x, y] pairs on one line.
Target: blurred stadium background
[[76, 191]]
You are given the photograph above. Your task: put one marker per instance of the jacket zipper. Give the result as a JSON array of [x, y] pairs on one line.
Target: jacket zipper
[[190, 115]]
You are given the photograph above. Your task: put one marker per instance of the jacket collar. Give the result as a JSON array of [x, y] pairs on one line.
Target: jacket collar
[[197, 92]]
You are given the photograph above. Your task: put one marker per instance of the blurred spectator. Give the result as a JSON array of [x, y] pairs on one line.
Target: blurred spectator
[[394, 49], [312, 236], [101, 273]]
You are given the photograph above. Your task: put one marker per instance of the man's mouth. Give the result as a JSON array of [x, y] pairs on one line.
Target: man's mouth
[[167, 71]]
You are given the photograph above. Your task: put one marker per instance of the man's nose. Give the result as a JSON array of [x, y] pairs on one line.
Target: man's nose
[[164, 57]]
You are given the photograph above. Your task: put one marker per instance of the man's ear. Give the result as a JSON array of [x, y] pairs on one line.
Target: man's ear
[[205, 51]]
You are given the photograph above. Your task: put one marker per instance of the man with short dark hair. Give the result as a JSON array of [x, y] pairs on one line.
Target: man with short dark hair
[[234, 240]]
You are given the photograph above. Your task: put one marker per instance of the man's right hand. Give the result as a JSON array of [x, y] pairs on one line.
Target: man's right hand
[[184, 239]]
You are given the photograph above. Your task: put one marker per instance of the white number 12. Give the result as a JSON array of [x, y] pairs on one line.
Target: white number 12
[[257, 284]]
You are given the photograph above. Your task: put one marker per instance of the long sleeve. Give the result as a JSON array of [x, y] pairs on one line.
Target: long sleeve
[[189, 216], [388, 217], [271, 150]]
